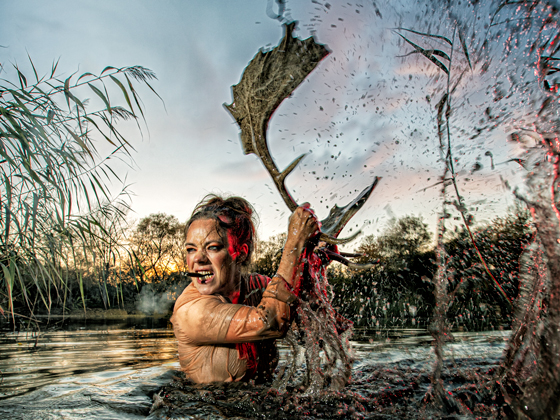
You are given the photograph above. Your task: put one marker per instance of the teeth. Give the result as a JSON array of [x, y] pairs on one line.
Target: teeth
[[205, 275]]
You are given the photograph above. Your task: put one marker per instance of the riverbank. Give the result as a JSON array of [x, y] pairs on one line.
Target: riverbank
[[96, 313], [97, 319]]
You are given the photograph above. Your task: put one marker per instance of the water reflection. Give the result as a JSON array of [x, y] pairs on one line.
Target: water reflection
[[28, 362]]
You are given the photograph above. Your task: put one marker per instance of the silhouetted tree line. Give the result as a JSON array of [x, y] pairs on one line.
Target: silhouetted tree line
[[155, 260], [111, 268], [398, 291]]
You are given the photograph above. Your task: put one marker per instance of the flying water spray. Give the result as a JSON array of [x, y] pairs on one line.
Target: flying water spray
[[267, 80], [487, 42]]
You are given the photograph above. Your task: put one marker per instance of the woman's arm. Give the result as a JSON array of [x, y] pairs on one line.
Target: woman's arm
[[212, 320], [273, 316], [303, 227]]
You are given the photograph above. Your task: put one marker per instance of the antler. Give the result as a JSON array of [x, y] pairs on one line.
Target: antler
[[268, 79]]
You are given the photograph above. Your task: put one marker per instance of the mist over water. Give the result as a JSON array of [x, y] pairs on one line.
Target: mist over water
[[150, 301]]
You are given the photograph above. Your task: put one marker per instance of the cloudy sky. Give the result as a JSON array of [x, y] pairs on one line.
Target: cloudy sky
[[367, 110]]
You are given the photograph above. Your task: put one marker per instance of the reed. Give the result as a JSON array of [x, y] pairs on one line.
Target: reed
[[58, 217]]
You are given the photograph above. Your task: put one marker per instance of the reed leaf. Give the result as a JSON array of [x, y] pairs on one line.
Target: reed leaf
[[464, 46], [9, 280], [102, 96], [429, 54], [54, 67], [70, 96], [87, 74], [444, 38], [50, 166], [136, 100], [34, 69], [124, 92]]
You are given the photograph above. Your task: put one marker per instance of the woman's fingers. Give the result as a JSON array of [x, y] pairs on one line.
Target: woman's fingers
[[304, 223]]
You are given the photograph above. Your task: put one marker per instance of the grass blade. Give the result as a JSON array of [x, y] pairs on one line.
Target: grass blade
[[465, 49], [426, 53]]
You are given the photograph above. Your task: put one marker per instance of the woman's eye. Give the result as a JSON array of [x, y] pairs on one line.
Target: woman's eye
[[190, 250], [214, 248]]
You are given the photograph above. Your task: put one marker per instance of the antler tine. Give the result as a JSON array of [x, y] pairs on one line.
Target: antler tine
[[341, 258], [339, 216], [338, 241]]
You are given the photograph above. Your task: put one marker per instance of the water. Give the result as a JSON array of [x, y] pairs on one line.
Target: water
[[109, 373], [99, 373], [390, 380]]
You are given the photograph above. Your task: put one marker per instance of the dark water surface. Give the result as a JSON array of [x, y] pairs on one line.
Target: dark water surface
[[107, 372], [391, 379], [104, 372]]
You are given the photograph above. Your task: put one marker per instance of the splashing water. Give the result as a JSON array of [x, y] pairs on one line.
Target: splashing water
[[529, 377], [479, 73], [499, 81], [390, 380], [322, 333]]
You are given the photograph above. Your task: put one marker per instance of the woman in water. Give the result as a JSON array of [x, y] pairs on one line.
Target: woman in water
[[226, 320]]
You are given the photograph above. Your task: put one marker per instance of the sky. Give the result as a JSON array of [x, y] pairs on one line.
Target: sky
[[367, 110]]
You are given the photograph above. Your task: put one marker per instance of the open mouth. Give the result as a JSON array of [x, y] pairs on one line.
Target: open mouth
[[204, 276]]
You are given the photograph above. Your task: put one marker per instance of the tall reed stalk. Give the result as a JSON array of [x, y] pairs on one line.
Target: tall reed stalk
[[54, 196], [439, 327]]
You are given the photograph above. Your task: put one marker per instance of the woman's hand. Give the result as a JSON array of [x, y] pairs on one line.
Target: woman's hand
[[303, 227]]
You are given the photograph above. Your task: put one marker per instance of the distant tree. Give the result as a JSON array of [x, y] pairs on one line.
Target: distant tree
[[157, 245], [370, 249], [403, 240], [501, 244], [268, 255], [399, 246], [401, 284], [398, 286]]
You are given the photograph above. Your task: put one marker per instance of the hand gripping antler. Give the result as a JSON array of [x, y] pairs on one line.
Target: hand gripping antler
[[268, 79]]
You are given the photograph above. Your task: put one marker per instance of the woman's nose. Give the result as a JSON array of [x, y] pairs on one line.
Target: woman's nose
[[200, 256]]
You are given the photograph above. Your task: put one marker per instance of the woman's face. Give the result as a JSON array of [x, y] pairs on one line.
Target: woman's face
[[208, 253]]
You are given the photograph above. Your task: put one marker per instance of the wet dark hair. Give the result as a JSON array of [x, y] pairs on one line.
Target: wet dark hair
[[233, 215]]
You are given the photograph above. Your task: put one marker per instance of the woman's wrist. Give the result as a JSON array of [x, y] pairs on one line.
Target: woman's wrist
[[281, 290], [293, 247], [289, 265]]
